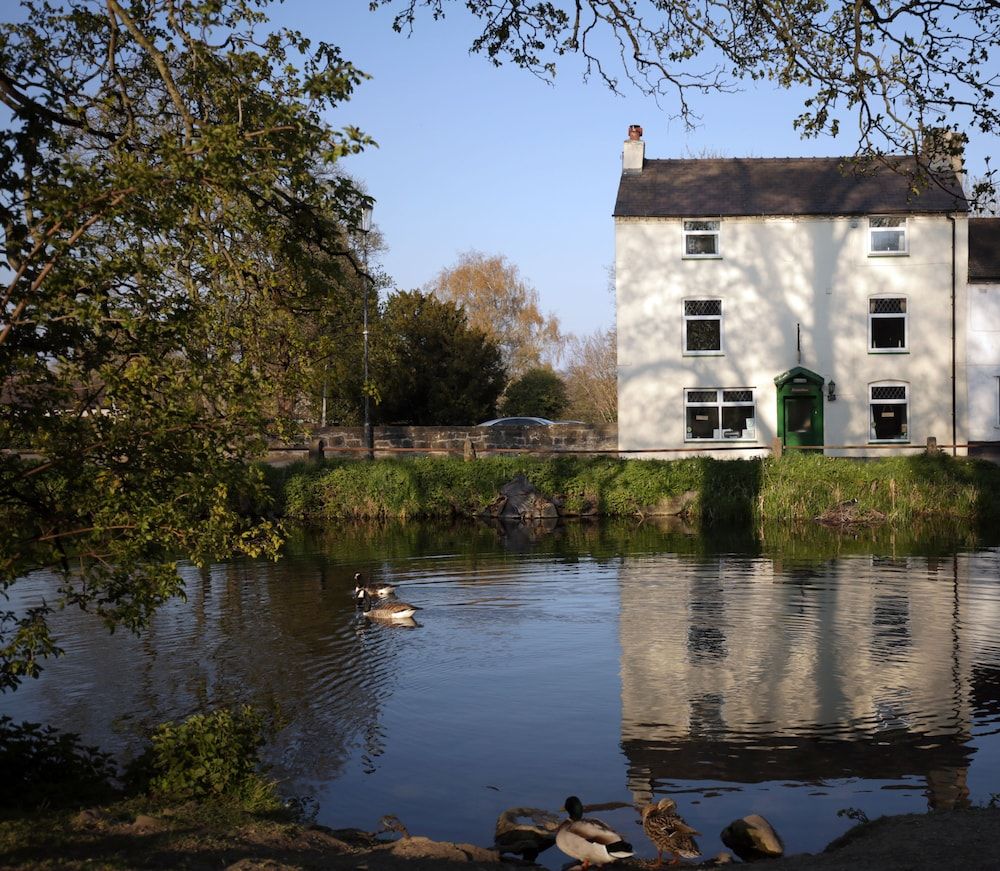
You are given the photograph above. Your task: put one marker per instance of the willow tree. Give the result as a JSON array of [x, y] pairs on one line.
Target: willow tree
[[891, 69], [498, 301], [165, 172]]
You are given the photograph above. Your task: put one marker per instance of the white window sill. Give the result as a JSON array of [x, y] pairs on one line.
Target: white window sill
[[888, 253], [888, 350], [701, 256], [704, 353]]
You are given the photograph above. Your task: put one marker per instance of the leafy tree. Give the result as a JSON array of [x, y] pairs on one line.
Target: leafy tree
[[333, 335], [592, 377], [430, 367], [987, 205], [165, 183], [490, 290], [895, 70], [537, 393]]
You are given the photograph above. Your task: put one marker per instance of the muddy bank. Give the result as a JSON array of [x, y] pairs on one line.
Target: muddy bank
[[943, 841], [953, 840]]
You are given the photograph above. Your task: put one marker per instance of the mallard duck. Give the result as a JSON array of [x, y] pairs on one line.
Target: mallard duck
[[526, 831], [392, 823], [386, 609], [589, 840], [376, 591], [668, 832]]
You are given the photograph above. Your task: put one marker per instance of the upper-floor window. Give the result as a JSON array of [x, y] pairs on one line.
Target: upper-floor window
[[703, 326], [701, 239], [886, 324], [888, 406], [887, 235]]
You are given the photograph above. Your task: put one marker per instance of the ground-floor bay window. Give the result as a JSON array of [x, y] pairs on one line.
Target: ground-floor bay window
[[719, 413], [889, 406]]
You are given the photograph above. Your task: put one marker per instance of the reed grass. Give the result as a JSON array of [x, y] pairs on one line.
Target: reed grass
[[791, 488]]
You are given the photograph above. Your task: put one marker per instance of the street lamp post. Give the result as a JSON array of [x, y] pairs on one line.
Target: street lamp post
[[366, 226]]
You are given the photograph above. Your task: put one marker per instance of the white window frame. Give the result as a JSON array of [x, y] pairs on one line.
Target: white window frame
[[901, 227], [719, 434], [996, 393], [715, 232], [905, 402], [720, 317], [873, 316]]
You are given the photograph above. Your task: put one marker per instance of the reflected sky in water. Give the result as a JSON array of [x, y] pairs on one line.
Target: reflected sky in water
[[617, 662]]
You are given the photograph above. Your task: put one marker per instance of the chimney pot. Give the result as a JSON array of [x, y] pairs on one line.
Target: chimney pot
[[634, 132]]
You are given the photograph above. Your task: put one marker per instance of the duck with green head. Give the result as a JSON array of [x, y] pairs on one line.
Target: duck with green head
[[591, 841]]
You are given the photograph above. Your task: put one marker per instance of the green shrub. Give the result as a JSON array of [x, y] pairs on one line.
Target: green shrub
[[43, 767], [207, 756]]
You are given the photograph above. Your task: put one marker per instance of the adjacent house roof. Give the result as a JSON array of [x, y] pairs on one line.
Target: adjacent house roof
[[779, 186], [984, 249]]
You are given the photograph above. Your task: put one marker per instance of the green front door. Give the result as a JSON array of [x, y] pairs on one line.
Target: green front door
[[800, 408], [803, 420]]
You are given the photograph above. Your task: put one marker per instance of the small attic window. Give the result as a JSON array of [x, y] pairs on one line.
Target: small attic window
[[887, 236], [701, 238]]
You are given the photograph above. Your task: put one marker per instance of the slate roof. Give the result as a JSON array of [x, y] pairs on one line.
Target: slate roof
[[984, 249], [777, 186]]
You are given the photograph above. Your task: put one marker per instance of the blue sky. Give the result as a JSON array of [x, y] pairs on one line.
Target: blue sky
[[471, 156]]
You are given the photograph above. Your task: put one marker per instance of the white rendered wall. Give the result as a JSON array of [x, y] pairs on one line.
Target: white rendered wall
[[984, 362], [775, 274]]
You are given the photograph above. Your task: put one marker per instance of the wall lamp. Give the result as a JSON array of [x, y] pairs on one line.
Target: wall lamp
[[831, 390]]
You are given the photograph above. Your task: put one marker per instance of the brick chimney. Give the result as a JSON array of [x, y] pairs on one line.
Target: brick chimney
[[634, 150], [944, 150]]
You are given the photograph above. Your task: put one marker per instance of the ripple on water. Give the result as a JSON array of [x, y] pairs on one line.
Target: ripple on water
[[736, 681]]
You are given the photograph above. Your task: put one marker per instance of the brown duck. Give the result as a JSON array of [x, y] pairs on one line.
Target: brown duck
[[668, 832]]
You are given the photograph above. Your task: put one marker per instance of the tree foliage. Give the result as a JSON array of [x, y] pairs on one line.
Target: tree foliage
[[539, 392], [498, 301], [592, 377], [333, 337], [170, 218], [430, 366], [893, 70]]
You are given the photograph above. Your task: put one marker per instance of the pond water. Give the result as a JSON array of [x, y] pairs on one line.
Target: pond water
[[793, 674]]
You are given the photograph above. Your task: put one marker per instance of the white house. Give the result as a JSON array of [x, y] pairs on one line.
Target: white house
[[796, 298], [984, 330]]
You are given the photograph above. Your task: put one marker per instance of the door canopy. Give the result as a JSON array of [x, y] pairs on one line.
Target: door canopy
[[799, 376]]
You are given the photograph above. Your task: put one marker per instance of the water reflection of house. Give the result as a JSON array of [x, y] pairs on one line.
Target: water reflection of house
[[735, 671]]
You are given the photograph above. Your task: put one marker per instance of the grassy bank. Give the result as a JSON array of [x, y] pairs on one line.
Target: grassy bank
[[792, 488]]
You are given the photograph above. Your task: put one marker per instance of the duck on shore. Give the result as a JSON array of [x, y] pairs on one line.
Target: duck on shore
[[587, 839], [668, 832]]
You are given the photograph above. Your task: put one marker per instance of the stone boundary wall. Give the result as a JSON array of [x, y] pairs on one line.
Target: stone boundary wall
[[346, 441]]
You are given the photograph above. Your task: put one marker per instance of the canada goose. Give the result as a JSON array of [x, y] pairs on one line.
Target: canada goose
[[386, 609], [376, 591], [588, 839]]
